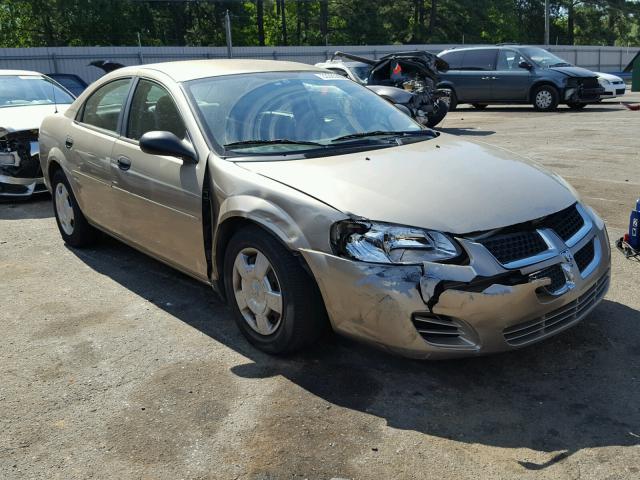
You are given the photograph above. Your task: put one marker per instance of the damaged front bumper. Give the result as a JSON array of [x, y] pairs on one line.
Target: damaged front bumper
[[20, 172], [442, 311]]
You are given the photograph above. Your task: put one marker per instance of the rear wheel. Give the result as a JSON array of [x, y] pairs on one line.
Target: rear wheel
[[452, 99], [440, 109], [480, 106], [275, 303], [73, 225], [545, 98], [576, 106]]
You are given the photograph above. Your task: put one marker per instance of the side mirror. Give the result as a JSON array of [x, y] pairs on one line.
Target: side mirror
[[525, 64], [166, 143]]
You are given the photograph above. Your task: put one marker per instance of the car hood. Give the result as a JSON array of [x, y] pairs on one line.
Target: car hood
[[29, 117], [444, 184], [574, 71]]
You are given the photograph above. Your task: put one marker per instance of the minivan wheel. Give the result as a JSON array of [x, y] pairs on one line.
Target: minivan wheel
[[480, 106], [576, 106], [545, 98], [274, 301], [73, 225]]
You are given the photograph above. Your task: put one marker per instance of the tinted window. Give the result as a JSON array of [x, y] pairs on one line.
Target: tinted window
[[153, 109], [508, 60], [454, 59], [102, 109], [479, 59]]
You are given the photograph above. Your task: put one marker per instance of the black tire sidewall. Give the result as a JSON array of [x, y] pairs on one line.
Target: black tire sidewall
[[554, 94], [83, 234], [443, 109], [453, 99]]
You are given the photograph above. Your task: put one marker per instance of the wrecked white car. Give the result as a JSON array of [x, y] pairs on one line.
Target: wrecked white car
[[25, 99], [295, 192]]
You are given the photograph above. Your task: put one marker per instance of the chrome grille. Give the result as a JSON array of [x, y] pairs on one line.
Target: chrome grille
[[565, 223], [556, 274], [552, 322], [515, 246], [584, 256]]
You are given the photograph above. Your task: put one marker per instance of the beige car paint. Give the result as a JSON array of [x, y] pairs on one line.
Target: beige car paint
[[438, 184]]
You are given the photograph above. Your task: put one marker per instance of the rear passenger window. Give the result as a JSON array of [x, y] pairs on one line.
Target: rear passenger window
[[153, 109], [484, 59], [454, 59], [102, 109]]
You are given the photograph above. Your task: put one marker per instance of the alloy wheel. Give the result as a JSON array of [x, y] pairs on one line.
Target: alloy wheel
[[544, 99]]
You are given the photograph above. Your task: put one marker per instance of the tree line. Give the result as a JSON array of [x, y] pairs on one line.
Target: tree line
[[35, 23]]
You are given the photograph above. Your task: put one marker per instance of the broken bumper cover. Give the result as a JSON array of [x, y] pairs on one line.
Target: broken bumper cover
[[12, 187], [444, 311]]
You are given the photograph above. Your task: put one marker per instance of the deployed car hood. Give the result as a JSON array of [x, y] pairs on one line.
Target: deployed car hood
[[574, 71], [444, 184], [28, 117]]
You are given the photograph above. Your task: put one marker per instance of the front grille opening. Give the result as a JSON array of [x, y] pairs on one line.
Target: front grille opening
[[510, 247], [441, 330], [584, 256], [565, 223], [557, 320], [556, 274]]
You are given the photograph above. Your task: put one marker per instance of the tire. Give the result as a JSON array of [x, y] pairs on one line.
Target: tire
[[437, 116], [545, 98], [480, 106], [73, 225], [301, 319], [453, 99], [576, 106]]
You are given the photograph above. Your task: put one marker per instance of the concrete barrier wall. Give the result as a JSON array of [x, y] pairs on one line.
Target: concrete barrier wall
[[76, 59]]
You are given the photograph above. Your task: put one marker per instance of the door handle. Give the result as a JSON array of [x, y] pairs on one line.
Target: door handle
[[124, 163], [68, 142], [485, 78]]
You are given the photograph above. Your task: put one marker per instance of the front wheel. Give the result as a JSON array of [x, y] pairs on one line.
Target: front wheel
[[545, 98], [275, 303], [451, 100], [576, 106], [73, 225]]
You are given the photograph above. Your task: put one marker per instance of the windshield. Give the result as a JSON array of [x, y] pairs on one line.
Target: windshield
[[286, 112], [21, 90], [543, 58]]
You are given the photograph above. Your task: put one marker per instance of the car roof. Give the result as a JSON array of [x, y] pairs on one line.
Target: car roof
[[19, 72], [485, 47], [346, 64], [185, 70]]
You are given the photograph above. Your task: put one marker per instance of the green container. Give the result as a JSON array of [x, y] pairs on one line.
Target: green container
[[635, 75]]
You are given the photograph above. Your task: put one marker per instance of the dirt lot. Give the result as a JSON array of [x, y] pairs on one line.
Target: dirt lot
[[115, 366]]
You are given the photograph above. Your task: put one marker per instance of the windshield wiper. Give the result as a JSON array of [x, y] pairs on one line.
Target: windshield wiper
[[281, 141], [382, 133]]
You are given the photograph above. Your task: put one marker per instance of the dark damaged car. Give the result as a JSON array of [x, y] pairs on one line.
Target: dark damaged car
[[25, 99]]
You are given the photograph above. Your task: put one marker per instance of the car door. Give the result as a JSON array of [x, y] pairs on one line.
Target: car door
[[511, 82], [89, 144], [470, 73], [159, 198]]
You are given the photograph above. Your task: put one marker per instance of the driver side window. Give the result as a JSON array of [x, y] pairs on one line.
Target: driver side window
[[509, 60], [153, 109]]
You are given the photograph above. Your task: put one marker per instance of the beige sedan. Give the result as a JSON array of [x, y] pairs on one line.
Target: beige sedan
[[307, 201]]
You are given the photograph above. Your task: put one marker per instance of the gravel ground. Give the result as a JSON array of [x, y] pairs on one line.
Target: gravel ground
[[112, 365]]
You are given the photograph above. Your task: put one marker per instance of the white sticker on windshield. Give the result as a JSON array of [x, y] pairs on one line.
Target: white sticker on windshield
[[330, 76]]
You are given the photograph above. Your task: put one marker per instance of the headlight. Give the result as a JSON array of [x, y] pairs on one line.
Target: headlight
[[384, 243], [603, 81]]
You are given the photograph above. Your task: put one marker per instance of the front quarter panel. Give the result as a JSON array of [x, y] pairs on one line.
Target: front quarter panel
[[50, 139], [298, 220]]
